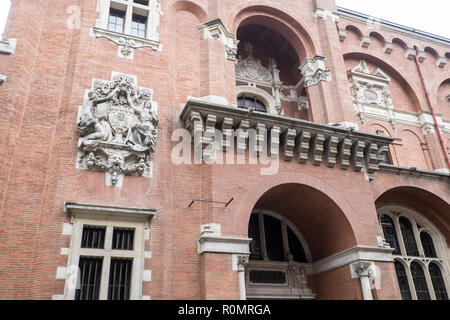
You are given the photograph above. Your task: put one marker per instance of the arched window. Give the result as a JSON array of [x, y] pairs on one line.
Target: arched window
[[428, 245], [274, 240], [420, 282], [408, 237], [438, 282], [419, 257], [251, 102], [403, 281], [389, 233]]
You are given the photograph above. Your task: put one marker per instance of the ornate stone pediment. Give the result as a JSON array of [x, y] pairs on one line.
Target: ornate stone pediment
[[251, 68], [371, 92], [117, 128]]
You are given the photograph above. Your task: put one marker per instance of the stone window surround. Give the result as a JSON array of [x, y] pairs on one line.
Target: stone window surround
[[109, 217], [395, 213], [128, 43], [284, 224]]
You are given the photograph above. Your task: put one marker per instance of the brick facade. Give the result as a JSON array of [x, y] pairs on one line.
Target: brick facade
[[53, 66]]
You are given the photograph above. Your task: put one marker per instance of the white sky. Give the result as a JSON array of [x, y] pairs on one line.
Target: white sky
[[431, 15]]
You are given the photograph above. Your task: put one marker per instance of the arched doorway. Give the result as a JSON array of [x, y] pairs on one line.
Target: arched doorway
[[291, 227]]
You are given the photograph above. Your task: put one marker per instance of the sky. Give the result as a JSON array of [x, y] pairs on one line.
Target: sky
[[431, 16]]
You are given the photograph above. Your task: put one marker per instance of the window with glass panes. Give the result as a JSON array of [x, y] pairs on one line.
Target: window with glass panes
[[418, 263], [116, 20], [138, 26]]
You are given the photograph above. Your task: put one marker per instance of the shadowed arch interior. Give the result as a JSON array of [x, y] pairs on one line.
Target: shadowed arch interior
[[322, 223], [426, 203]]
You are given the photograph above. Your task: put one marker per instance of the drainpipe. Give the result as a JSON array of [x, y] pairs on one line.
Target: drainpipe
[[438, 130]]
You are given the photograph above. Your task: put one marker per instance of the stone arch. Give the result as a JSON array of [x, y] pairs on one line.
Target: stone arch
[[283, 23], [267, 98], [432, 51], [408, 88]]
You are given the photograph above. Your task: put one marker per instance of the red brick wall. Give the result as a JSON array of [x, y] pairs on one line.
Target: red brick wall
[[47, 78]]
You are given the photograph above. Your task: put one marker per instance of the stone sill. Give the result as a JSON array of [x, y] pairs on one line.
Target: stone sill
[[414, 172], [126, 39]]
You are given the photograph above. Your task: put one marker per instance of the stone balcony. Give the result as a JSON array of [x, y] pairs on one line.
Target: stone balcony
[[296, 139]]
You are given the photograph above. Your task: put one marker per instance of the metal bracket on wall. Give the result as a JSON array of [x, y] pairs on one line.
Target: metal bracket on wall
[[210, 201]]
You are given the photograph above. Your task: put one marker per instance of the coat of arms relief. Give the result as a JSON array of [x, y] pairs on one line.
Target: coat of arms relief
[[117, 128]]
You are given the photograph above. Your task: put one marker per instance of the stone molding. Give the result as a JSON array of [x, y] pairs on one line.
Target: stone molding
[[8, 46], [321, 14], [314, 71], [441, 174], [126, 42], [352, 255], [359, 147], [78, 209], [215, 30]]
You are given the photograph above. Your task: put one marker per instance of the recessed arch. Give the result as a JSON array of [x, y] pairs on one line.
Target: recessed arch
[[432, 205], [318, 218], [395, 75], [400, 42], [378, 36], [261, 94], [354, 29], [432, 51], [283, 23], [191, 7]]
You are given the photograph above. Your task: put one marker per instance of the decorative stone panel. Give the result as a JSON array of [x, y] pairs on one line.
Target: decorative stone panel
[[117, 128], [314, 71]]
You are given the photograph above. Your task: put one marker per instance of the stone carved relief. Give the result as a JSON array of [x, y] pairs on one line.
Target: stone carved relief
[[251, 68], [117, 128], [314, 71], [371, 92]]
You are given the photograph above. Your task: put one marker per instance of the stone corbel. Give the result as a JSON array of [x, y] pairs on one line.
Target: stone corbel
[[8, 46], [342, 34], [314, 71], [365, 41], [441, 62], [410, 53], [216, 30], [421, 56], [322, 14], [388, 47]]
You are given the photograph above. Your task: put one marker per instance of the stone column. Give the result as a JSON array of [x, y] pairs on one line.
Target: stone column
[[242, 261], [363, 270]]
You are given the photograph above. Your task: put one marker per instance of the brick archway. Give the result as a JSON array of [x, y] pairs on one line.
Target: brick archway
[[325, 218]]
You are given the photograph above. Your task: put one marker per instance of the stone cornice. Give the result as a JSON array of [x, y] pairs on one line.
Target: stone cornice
[[84, 209], [355, 254], [389, 26], [414, 172], [320, 143]]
